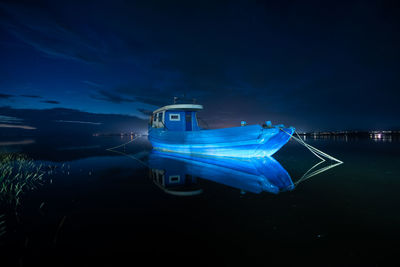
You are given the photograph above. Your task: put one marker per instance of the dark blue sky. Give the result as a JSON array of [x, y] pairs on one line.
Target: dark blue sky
[[313, 65]]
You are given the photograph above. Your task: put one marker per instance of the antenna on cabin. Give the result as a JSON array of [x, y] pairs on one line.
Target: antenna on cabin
[[175, 99]]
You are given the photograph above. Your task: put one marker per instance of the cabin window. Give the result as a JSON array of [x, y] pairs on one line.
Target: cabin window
[[155, 117], [173, 179], [174, 117], [160, 117]]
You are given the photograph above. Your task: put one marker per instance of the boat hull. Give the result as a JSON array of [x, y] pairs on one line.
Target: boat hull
[[238, 142]]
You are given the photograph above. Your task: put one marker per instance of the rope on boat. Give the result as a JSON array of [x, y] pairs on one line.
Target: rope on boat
[[125, 154], [309, 174], [318, 153], [122, 144], [313, 150]]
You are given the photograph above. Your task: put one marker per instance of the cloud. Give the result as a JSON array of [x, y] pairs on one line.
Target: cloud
[[110, 97], [81, 122], [31, 96], [153, 100], [150, 96], [50, 102], [63, 121], [9, 119], [25, 127], [37, 27], [145, 111], [5, 96], [13, 143], [93, 84]]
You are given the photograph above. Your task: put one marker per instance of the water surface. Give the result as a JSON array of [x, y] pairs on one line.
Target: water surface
[[98, 206]]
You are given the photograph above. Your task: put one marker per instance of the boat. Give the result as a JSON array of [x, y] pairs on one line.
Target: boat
[[175, 128], [178, 174]]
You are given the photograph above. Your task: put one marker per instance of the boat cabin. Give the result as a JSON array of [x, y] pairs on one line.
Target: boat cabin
[[178, 117]]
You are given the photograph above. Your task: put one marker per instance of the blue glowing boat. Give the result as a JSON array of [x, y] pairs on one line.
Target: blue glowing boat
[[174, 128]]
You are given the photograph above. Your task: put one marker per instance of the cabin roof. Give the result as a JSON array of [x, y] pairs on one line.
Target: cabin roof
[[180, 107]]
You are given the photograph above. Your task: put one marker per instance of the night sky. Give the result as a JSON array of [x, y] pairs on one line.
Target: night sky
[[320, 65]]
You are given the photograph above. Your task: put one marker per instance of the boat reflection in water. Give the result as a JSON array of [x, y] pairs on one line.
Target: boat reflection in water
[[177, 174]]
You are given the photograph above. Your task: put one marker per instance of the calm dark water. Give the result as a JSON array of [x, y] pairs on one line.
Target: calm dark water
[[101, 207]]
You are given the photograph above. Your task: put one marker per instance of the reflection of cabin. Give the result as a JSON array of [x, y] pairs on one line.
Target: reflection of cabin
[[179, 117], [175, 182]]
